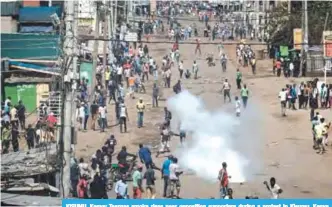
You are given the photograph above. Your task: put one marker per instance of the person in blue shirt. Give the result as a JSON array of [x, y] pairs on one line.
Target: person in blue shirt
[[165, 173], [145, 156], [86, 115]]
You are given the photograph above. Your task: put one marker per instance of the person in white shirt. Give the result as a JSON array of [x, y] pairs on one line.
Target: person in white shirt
[[123, 117], [181, 68], [291, 69], [102, 115], [174, 173], [119, 72], [81, 116], [227, 88], [283, 99], [237, 106], [274, 188]]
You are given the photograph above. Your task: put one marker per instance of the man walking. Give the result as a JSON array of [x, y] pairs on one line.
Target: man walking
[[140, 106], [155, 95], [226, 88], [244, 95], [238, 79], [123, 117]]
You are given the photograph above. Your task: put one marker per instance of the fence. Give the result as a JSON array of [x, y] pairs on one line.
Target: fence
[[316, 63]]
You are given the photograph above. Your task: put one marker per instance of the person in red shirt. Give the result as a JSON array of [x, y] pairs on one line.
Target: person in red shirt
[[278, 67], [82, 187], [223, 178], [51, 121], [198, 47]]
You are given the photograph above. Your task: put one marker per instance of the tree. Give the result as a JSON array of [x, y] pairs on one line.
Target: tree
[[281, 23]]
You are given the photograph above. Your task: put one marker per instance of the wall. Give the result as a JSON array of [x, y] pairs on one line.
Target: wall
[[8, 25], [32, 3], [42, 93], [25, 92]]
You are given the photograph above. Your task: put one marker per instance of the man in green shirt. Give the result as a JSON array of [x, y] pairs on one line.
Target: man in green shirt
[[244, 95], [238, 78], [137, 182]]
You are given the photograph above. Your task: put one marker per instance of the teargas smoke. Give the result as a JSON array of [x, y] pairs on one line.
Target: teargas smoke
[[213, 138]]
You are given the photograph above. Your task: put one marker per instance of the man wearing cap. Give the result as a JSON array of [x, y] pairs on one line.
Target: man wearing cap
[[137, 182], [140, 106]]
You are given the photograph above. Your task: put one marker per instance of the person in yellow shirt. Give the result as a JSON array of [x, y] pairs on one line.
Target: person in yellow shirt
[[107, 76], [140, 106]]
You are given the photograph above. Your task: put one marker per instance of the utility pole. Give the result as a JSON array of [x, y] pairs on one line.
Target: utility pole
[[66, 137], [304, 10], [306, 28], [105, 31], [110, 32], [95, 54]]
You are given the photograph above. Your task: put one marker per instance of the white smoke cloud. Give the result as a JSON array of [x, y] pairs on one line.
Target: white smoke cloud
[[212, 138]]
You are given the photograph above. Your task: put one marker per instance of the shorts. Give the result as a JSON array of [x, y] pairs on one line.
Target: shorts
[[151, 188], [283, 104], [319, 140], [176, 183], [137, 193]]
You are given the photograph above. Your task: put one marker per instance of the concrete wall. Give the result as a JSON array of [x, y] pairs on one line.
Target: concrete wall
[[8, 25]]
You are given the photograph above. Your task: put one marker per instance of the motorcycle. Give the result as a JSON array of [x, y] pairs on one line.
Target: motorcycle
[[116, 171]]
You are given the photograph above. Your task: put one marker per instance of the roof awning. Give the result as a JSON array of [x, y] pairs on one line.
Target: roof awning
[[28, 14], [34, 68]]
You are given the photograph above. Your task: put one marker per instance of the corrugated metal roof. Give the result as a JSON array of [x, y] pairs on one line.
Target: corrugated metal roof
[[10, 8], [30, 46], [38, 14]]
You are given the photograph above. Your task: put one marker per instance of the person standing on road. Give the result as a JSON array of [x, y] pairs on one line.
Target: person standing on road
[[21, 114], [195, 69], [244, 95], [198, 47], [165, 174], [123, 117], [94, 113], [253, 65], [283, 99], [174, 174], [140, 106], [121, 188], [223, 179], [150, 183], [237, 106], [226, 89], [137, 182], [181, 69], [238, 78], [155, 95], [102, 117]]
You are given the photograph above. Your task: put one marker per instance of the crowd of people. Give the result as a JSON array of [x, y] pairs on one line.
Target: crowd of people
[[13, 127], [127, 77]]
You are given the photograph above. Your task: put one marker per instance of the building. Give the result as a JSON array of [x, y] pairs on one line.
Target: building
[[9, 16]]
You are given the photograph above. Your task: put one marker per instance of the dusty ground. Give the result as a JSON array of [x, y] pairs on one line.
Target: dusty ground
[[285, 148], [286, 143]]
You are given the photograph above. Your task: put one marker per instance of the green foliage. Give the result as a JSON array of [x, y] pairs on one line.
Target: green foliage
[[281, 24]]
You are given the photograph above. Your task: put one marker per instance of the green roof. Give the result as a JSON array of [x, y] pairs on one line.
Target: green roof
[[30, 46]]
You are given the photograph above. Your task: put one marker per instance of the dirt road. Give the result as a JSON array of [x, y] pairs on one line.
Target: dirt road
[[285, 148]]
